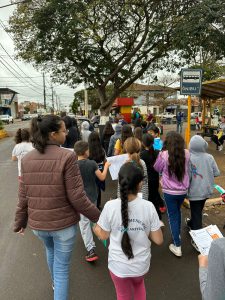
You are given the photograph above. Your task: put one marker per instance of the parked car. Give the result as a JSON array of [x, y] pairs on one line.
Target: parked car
[[95, 120], [6, 119], [26, 117]]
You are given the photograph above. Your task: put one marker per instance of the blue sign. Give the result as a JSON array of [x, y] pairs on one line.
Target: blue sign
[[191, 82]]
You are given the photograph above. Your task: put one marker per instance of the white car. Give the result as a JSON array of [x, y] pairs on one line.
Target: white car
[[167, 115], [6, 119]]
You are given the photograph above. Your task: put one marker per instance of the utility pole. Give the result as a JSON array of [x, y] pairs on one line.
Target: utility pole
[[85, 99], [56, 103], [44, 90], [53, 105]]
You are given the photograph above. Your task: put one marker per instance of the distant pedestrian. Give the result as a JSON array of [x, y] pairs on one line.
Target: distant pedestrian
[[116, 136], [219, 138], [106, 135], [179, 119], [23, 146], [85, 131], [89, 172], [197, 123], [144, 126], [132, 146], [52, 197], [97, 153], [130, 223], [173, 164], [203, 169], [138, 133], [125, 133], [73, 133]]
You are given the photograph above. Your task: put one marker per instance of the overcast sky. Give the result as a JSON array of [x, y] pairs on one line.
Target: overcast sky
[[30, 89]]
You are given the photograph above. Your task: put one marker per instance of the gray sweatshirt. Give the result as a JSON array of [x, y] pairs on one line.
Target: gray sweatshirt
[[202, 170], [212, 279]]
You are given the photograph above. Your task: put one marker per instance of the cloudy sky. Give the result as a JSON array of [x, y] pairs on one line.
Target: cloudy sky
[[20, 76]]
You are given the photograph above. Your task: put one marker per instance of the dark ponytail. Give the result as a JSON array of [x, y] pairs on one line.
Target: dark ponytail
[[41, 127], [125, 242], [22, 135], [148, 142], [130, 175]]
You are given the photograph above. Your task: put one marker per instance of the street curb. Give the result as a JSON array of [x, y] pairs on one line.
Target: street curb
[[209, 202]]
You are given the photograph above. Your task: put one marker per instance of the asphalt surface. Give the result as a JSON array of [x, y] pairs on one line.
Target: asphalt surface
[[23, 270]]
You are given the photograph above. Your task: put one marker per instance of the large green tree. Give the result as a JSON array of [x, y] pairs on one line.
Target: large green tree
[[102, 42]]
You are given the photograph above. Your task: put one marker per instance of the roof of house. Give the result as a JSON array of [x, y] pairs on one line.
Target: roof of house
[[144, 87], [7, 91]]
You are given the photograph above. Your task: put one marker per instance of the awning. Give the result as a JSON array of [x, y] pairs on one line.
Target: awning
[[213, 89]]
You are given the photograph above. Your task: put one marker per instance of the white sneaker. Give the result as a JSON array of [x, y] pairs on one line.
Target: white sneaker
[[175, 250], [161, 223], [220, 148]]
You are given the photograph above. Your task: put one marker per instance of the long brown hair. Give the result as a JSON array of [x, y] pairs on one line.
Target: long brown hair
[[138, 133], [126, 133], [132, 146], [175, 146]]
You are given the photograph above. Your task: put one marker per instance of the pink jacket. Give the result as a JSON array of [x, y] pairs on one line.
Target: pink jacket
[[170, 184]]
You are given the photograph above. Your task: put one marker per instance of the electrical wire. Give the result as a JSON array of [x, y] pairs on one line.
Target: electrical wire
[[20, 2], [16, 75]]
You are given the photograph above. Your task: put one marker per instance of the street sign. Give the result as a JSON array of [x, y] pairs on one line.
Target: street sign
[[191, 82]]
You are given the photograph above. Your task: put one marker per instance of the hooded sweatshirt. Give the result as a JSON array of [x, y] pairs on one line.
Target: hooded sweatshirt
[[202, 170], [85, 132], [113, 139]]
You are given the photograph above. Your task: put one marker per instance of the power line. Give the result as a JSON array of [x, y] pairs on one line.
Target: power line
[[17, 65], [24, 1], [16, 75]]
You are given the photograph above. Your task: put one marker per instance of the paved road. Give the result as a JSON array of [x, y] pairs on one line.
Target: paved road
[[23, 270]]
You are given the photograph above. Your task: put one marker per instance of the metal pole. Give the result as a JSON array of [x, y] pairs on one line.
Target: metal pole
[[188, 130], [44, 91], [53, 105], [85, 101]]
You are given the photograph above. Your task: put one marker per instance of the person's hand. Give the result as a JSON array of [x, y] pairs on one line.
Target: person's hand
[[203, 261], [107, 164], [21, 231]]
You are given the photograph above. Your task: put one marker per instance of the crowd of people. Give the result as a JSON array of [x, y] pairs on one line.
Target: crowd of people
[[60, 189]]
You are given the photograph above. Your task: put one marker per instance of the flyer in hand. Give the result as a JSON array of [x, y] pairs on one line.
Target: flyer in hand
[[204, 237]]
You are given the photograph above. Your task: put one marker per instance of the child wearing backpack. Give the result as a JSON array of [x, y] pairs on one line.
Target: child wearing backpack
[[131, 223], [203, 169], [89, 171]]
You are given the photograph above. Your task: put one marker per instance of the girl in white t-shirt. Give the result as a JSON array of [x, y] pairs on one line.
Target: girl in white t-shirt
[[23, 146], [130, 223]]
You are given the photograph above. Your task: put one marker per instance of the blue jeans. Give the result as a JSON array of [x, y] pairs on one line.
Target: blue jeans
[[179, 127], [59, 245], [173, 203]]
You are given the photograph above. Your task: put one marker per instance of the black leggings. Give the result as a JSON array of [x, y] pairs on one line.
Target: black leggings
[[217, 141], [196, 213]]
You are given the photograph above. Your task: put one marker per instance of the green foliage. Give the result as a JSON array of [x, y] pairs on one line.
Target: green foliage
[[201, 38], [104, 42], [1, 125], [75, 105], [211, 70]]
